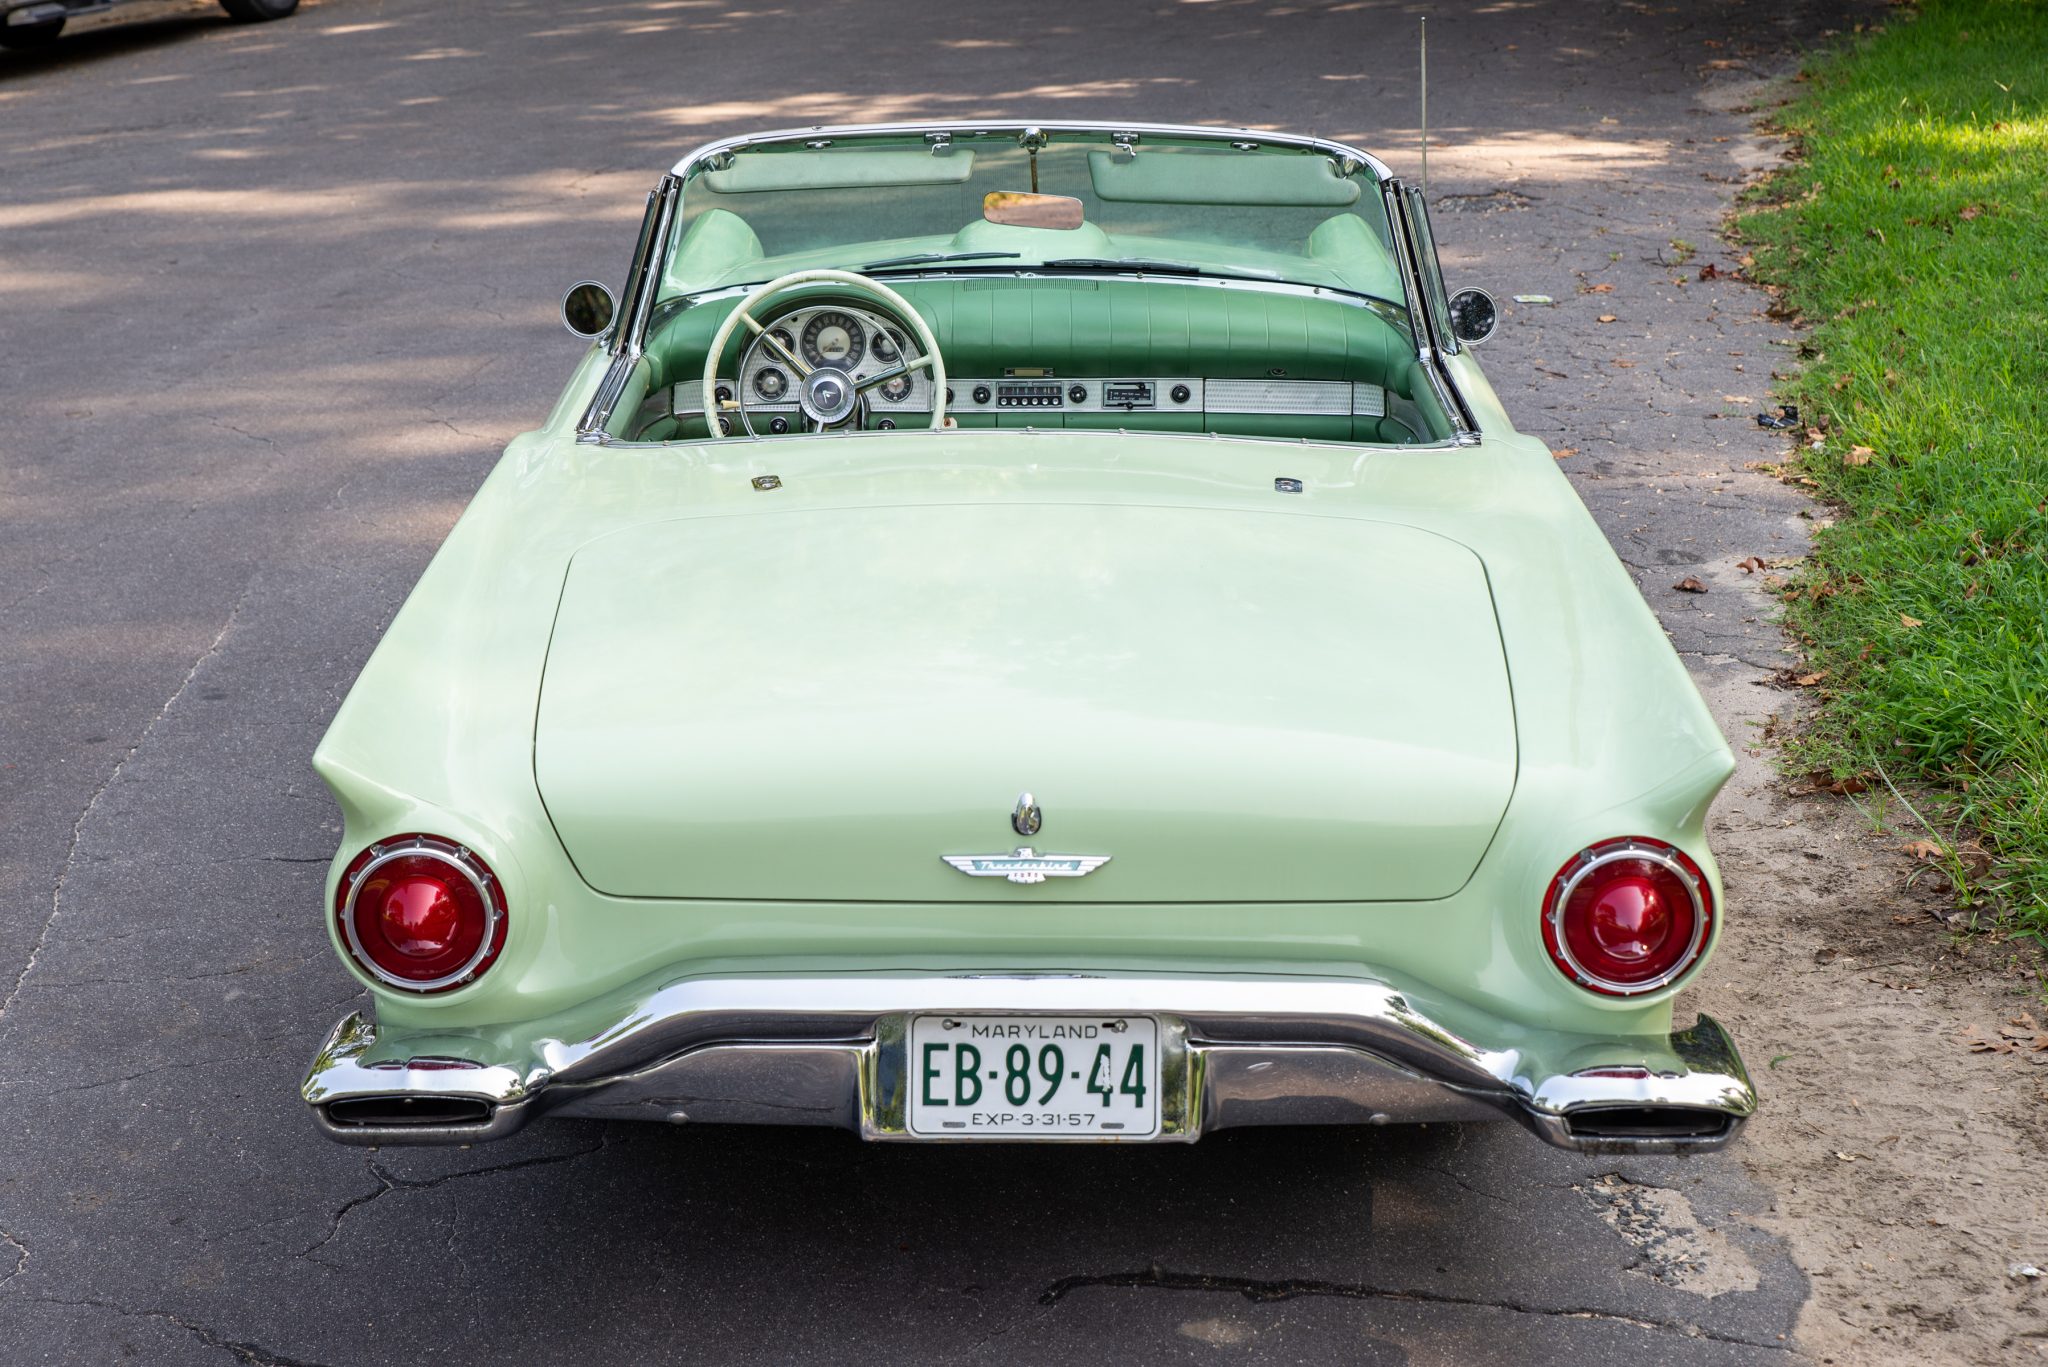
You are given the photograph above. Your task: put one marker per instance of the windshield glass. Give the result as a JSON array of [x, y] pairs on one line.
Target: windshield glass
[[888, 204]]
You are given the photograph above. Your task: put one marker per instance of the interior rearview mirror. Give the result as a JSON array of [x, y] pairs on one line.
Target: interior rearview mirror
[[1019, 210], [1473, 316], [587, 308]]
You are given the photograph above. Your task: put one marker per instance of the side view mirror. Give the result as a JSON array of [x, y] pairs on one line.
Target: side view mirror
[[1473, 316], [587, 308]]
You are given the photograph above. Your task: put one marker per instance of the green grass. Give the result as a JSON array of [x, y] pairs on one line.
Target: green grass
[[1913, 239]]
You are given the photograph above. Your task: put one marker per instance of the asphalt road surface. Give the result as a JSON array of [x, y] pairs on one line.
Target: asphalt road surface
[[271, 301]]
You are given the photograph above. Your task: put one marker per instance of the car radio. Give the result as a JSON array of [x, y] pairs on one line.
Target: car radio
[[1029, 394]]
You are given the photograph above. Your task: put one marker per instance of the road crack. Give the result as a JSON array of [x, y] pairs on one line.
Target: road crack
[[389, 1182], [253, 1354], [21, 1256], [85, 814]]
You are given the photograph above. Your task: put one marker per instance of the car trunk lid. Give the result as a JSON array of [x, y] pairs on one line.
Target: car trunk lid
[[820, 705]]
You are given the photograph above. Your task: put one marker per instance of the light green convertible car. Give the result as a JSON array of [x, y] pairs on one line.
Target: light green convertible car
[[1027, 632]]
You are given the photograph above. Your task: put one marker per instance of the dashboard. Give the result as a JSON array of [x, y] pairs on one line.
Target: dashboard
[[1067, 353]]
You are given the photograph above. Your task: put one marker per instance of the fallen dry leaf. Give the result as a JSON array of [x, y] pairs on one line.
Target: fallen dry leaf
[[1605, 318], [1599, 289], [1857, 455], [1626, 365], [1690, 584], [1809, 680], [1922, 849], [1752, 565], [1970, 211], [1980, 1043], [1559, 453], [1906, 621]]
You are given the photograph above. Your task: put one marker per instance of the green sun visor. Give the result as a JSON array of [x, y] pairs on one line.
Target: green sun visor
[[1234, 178], [853, 168]]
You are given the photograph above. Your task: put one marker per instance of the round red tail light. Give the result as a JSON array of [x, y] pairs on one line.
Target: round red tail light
[[421, 913], [1627, 916]]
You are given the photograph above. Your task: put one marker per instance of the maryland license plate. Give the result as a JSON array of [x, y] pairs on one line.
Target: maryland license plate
[[1035, 1077]]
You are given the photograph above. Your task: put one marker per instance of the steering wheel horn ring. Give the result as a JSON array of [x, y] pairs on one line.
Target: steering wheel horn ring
[[826, 394]]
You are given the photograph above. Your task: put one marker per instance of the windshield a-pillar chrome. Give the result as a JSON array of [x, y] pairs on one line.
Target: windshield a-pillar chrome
[[629, 334], [1429, 328]]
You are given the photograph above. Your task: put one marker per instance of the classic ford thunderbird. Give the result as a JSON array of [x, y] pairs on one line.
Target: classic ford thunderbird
[[1027, 632]]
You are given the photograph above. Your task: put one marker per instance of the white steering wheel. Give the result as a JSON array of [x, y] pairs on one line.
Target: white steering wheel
[[826, 394]]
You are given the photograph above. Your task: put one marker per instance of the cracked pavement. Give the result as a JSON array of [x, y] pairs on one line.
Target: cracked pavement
[[276, 296]]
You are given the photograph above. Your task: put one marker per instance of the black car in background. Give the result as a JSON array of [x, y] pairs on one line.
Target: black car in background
[[32, 23]]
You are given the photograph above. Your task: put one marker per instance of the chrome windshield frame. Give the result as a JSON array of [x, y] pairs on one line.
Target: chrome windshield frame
[[981, 128], [650, 257]]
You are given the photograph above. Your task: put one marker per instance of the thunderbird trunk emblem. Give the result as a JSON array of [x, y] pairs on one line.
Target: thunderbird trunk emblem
[[1024, 864]]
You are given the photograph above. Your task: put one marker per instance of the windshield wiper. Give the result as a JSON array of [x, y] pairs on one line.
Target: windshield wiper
[[1135, 263], [928, 258], [1147, 266]]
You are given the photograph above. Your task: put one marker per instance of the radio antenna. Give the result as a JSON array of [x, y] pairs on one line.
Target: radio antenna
[[1425, 104]]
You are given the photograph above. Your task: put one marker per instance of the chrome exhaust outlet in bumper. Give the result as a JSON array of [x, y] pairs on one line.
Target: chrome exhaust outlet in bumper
[[832, 1051], [409, 1110], [1633, 1124]]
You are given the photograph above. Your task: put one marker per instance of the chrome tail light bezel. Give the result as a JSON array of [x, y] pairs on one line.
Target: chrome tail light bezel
[[490, 892], [1634, 848]]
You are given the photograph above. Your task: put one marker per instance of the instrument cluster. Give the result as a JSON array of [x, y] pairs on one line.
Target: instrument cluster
[[846, 338]]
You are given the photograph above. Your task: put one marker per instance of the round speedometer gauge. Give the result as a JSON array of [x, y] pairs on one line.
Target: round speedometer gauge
[[833, 339]]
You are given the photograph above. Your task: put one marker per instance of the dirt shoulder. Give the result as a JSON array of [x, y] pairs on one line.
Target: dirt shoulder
[[1905, 1160], [1902, 1130]]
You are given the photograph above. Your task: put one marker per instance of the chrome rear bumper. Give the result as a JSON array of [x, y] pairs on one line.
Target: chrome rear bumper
[[831, 1051]]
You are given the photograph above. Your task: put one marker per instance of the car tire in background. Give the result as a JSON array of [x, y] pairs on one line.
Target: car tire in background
[[30, 35], [256, 11]]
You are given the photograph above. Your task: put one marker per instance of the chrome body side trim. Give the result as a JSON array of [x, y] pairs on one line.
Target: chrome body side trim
[[1238, 1050]]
